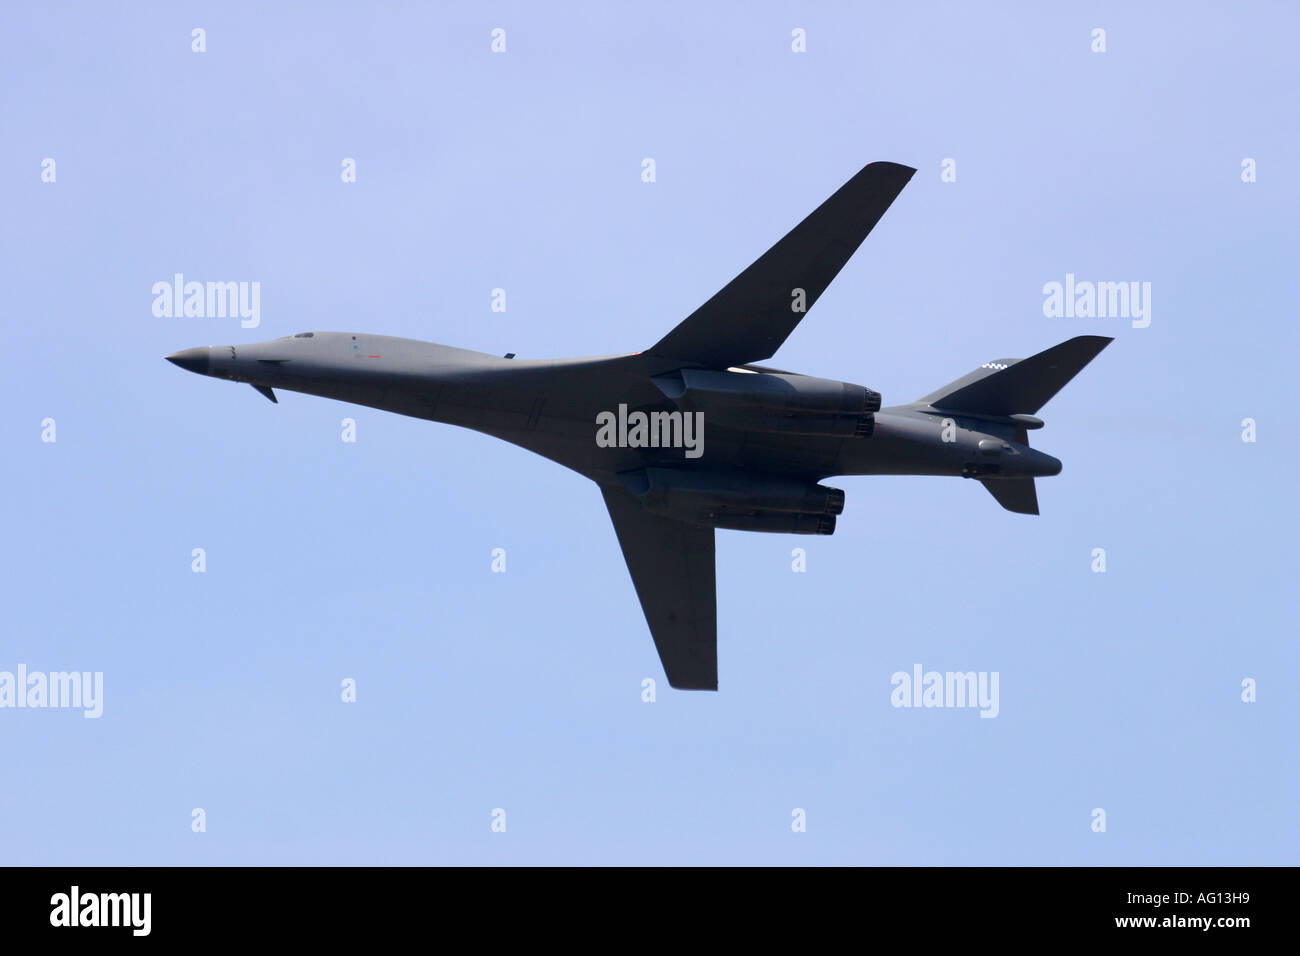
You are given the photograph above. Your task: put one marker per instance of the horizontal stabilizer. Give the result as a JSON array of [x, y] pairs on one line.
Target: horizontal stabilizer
[[1018, 386], [1014, 494]]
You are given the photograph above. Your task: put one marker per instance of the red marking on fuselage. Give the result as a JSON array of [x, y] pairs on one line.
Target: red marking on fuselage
[[373, 356]]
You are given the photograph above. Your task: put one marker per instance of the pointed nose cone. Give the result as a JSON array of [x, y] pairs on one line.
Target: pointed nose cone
[[192, 360]]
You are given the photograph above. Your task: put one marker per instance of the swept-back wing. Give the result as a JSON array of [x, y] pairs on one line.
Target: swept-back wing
[[749, 318], [672, 568]]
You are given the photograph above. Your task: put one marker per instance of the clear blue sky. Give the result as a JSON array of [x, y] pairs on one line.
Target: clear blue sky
[[521, 690]]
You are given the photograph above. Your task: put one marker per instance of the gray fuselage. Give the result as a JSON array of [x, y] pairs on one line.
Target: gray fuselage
[[551, 406]]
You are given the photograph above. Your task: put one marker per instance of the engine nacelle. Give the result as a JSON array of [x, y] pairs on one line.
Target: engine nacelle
[[773, 401], [742, 500], [778, 524]]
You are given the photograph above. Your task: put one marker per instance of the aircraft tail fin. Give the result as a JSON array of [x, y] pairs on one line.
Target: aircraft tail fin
[[1014, 494], [1018, 386]]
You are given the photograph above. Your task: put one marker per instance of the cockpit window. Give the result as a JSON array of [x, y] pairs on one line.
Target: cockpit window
[[304, 335]]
